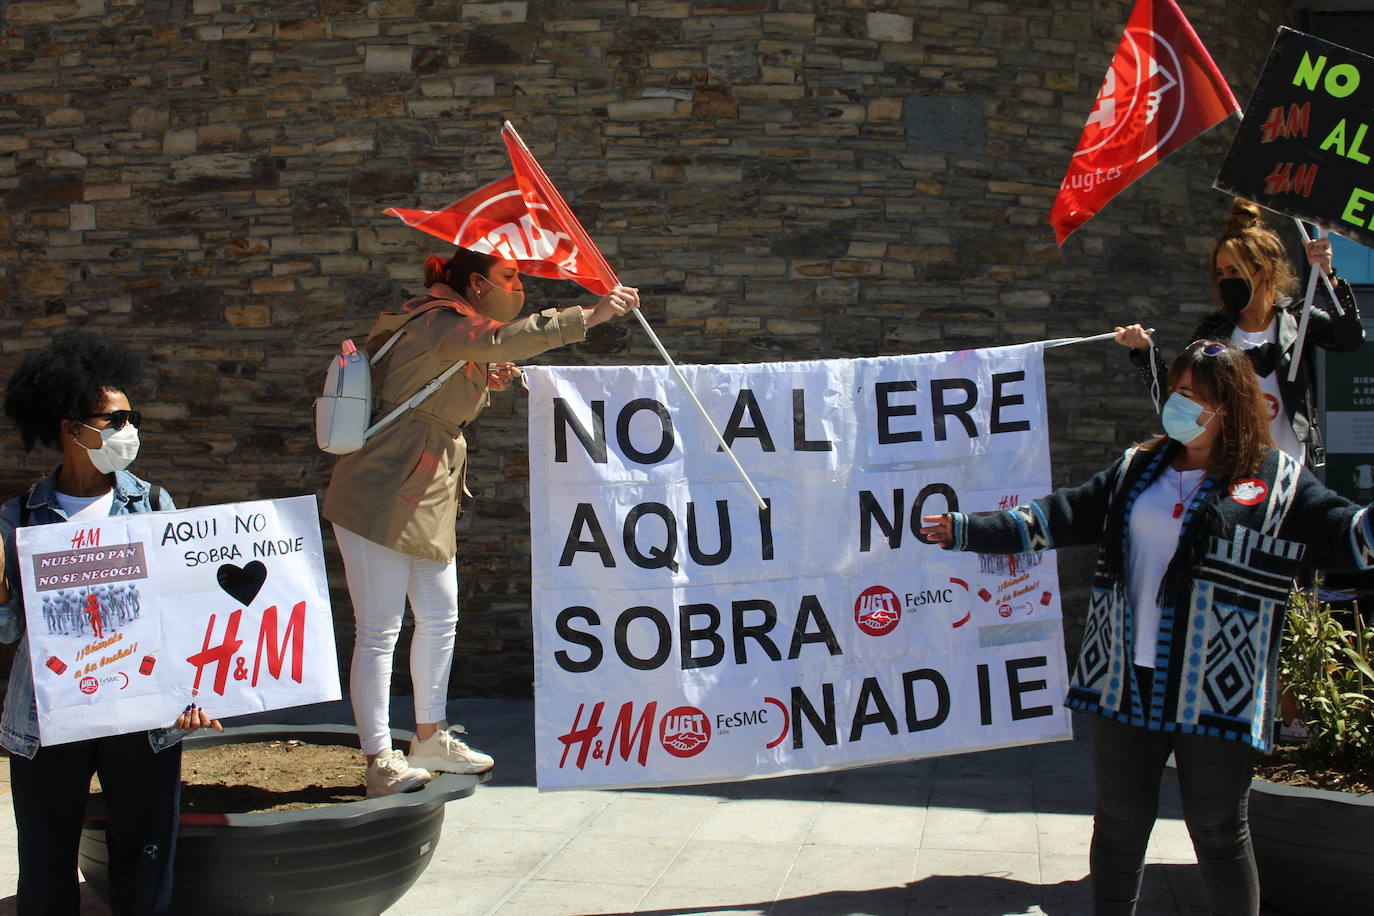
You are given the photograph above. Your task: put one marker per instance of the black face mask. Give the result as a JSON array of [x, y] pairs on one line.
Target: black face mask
[[1234, 292]]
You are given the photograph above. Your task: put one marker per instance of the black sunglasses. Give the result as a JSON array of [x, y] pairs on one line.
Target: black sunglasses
[[117, 418]]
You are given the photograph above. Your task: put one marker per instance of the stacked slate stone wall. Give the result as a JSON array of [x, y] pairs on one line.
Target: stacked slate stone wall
[[205, 180]]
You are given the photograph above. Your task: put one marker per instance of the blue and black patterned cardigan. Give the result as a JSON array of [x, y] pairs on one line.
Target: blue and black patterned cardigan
[[1223, 595]]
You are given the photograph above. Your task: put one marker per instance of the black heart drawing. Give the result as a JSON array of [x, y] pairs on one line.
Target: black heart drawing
[[242, 584]]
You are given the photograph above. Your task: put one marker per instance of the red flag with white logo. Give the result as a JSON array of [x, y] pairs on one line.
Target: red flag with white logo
[[1161, 90], [539, 193], [523, 218], [517, 225]]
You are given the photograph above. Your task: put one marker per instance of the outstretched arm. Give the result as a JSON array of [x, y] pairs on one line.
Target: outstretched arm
[[1066, 517]]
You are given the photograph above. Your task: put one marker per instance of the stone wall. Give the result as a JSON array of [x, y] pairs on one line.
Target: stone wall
[[205, 179]]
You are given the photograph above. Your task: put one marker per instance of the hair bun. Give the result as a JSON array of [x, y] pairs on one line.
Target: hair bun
[[1245, 214], [435, 267]]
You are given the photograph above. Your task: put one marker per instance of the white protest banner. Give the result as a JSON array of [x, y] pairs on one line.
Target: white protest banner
[[132, 617], [682, 635]]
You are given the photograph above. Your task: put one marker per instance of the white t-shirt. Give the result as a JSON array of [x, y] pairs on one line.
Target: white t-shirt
[[1153, 539], [1279, 427], [80, 508]]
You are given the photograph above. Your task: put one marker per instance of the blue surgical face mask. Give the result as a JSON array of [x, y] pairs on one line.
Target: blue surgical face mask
[[1180, 418]]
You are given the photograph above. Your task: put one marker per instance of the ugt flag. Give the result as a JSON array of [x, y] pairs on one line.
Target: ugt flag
[[520, 218], [1161, 90]]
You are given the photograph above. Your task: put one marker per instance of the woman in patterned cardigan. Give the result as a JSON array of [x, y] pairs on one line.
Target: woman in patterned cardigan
[[1200, 532]]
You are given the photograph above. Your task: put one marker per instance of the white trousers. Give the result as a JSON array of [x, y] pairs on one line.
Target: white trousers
[[379, 579]]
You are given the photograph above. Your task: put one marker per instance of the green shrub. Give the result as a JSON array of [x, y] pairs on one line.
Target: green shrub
[[1328, 667]]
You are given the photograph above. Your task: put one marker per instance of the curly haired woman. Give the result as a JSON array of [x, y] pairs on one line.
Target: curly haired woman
[[73, 395]]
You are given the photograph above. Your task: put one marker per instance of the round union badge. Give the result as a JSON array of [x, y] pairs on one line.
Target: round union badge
[[877, 610], [684, 731], [1249, 491]]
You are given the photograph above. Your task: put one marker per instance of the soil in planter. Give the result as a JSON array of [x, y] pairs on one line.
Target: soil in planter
[[1287, 766], [266, 776]]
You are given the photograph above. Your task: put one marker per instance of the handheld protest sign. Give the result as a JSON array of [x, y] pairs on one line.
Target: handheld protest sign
[[1304, 146], [132, 617]]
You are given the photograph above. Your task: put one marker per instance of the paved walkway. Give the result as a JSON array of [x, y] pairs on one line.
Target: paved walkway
[[986, 834]]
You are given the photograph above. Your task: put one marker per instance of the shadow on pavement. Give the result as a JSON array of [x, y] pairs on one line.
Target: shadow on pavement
[[962, 895], [965, 895]]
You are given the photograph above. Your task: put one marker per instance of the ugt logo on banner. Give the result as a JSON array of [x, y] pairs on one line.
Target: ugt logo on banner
[[685, 634], [1161, 90]]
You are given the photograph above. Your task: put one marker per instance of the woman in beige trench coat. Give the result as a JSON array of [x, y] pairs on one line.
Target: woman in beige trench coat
[[394, 502]]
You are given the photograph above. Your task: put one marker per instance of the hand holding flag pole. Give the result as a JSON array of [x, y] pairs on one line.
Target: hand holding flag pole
[[1326, 278], [523, 218], [1315, 272], [531, 177]]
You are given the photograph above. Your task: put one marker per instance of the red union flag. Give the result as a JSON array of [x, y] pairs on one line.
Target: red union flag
[[1161, 90], [502, 220], [539, 191]]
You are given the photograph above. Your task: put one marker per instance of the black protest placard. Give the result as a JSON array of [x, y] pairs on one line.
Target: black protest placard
[[1304, 147]]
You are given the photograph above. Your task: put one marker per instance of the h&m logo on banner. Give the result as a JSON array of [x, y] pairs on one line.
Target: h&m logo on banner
[[1304, 146]]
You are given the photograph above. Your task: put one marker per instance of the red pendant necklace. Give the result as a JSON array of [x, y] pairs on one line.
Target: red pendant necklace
[[1178, 506]]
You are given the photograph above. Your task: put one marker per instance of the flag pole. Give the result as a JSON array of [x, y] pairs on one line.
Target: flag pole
[[607, 273], [1307, 304], [643, 323], [1066, 341]]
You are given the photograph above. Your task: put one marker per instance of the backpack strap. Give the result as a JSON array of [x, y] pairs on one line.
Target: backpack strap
[[429, 388], [416, 399], [397, 334]]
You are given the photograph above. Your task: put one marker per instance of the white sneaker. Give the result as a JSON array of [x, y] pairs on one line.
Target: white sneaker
[[1294, 731], [445, 752], [390, 772]]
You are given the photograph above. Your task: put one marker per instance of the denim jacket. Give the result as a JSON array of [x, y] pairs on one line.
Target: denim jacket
[[19, 723]]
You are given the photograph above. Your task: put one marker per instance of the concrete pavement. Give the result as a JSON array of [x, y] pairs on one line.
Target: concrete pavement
[[986, 834]]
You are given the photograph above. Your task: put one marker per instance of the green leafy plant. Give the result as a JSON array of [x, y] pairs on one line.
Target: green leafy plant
[[1327, 664]]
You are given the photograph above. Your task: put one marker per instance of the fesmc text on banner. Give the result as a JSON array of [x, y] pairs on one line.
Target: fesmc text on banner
[[1304, 146], [683, 635], [132, 617]]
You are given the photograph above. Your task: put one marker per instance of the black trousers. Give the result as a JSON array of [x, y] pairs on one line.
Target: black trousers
[[142, 792], [1214, 783]]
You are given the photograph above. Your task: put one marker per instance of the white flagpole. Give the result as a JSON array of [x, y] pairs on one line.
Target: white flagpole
[[1066, 341], [1307, 305], [643, 323]]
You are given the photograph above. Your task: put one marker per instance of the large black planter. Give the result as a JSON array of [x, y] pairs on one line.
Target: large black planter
[[1314, 849], [353, 859]]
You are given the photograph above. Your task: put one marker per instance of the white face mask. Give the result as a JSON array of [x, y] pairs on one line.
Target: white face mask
[[118, 448]]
